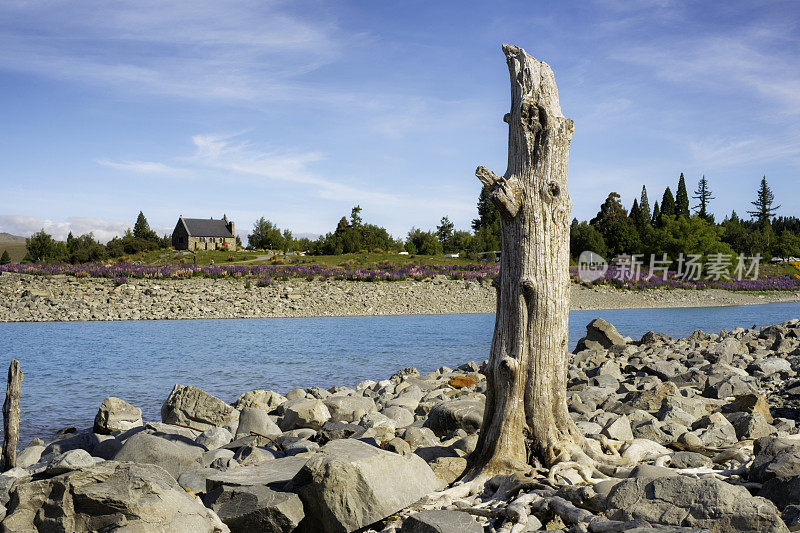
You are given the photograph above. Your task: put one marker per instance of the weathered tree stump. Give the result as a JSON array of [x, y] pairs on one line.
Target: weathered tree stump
[[11, 416], [526, 419]]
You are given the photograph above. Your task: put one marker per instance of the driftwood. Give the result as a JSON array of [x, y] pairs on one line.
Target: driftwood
[[11, 416]]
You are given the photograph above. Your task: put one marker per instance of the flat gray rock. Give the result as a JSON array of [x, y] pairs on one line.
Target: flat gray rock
[[274, 474], [702, 503], [109, 496], [190, 406], [350, 485], [775, 457], [452, 415], [441, 521], [256, 508], [174, 456]]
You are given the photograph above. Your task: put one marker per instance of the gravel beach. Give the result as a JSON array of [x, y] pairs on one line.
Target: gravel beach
[[26, 298]]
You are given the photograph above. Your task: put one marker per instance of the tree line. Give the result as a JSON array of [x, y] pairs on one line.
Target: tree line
[[42, 247], [353, 235], [676, 227], [673, 226]]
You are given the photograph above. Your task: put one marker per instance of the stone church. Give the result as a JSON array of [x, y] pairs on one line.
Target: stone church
[[204, 234]]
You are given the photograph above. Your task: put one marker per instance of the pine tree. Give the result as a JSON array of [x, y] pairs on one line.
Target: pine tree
[[703, 195], [487, 211], [682, 199], [5, 258], [668, 204], [656, 220], [444, 232], [644, 206], [355, 217], [636, 214], [141, 230], [764, 210]]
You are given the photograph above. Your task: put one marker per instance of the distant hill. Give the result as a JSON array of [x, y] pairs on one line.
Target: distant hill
[[7, 237]]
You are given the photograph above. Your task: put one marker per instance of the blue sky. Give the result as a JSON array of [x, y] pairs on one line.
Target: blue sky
[[298, 110]]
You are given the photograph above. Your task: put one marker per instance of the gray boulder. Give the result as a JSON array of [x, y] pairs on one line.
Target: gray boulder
[[349, 408], [769, 366], [256, 508], [214, 438], [108, 496], [600, 331], [725, 350], [619, 429], [402, 417], [262, 399], [706, 503], [194, 481], [190, 406], [116, 415], [174, 456], [307, 413], [782, 491], [450, 416], [689, 460], [417, 437], [350, 484], [7, 480], [441, 521], [68, 461], [29, 456], [775, 457], [750, 425], [715, 430], [258, 421], [274, 474]]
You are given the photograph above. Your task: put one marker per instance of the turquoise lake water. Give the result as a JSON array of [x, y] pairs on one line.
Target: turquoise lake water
[[70, 367]]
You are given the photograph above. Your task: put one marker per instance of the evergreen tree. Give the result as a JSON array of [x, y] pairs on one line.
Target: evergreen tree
[[342, 226], [703, 195], [486, 226], [668, 204], [636, 214], [583, 237], [764, 210], [355, 217], [617, 230], [644, 206], [266, 235], [656, 220], [682, 199], [141, 230], [444, 232], [5, 258]]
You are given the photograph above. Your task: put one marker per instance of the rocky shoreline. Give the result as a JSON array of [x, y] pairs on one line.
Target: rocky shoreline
[[26, 298], [704, 432]]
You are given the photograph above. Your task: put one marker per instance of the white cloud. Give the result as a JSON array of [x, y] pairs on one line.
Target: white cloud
[[748, 62], [103, 230], [141, 167], [238, 49]]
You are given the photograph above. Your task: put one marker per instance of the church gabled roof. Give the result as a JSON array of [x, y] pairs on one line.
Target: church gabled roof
[[206, 227]]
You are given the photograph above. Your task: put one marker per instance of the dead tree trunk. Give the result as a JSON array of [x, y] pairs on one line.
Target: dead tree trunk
[[526, 418], [11, 416]]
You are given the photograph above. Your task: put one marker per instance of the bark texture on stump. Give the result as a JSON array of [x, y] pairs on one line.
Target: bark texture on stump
[[11, 416], [526, 417]]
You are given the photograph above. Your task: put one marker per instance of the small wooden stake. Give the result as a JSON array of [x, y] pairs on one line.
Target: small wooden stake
[[11, 416]]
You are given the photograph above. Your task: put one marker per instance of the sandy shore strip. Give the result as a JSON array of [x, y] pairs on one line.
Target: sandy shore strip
[[25, 298]]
